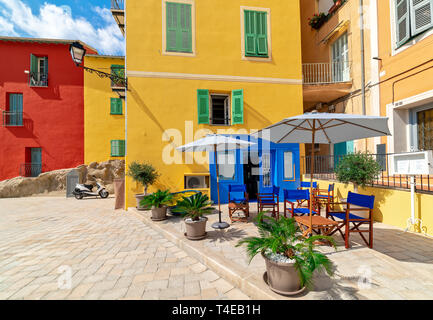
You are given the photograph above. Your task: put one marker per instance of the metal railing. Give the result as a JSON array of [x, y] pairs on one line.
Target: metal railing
[[324, 169], [12, 119], [37, 79], [326, 72], [30, 169], [118, 4]]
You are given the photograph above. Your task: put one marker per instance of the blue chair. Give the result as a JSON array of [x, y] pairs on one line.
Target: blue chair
[[238, 201], [325, 196], [352, 222], [270, 200], [293, 197], [305, 185]]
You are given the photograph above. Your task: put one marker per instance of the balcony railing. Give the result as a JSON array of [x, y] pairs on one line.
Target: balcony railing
[[118, 4], [12, 119], [37, 79], [326, 73], [30, 169], [324, 167]]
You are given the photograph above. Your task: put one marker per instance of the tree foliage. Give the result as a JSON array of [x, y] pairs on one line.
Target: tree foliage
[[194, 206], [157, 199], [143, 173]]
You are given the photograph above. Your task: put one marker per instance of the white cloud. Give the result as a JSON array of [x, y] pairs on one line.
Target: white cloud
[[57, 22]]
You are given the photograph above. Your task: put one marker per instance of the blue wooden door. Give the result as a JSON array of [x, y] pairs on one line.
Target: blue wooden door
[[36, 164], [16, 109]]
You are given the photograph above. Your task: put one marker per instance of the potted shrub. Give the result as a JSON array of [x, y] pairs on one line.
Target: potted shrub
[[358, 168], [317, 20], [145, 174], [193, 208], [157, 202], [290, 258]]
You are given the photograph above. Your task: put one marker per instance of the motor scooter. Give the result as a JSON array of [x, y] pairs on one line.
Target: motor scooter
[[86, 190]]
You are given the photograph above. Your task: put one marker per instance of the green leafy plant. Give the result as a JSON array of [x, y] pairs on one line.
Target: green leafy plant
[[143, 173], [194, 206], [157, 199], [284, 237], [317, 20], [359, 168]]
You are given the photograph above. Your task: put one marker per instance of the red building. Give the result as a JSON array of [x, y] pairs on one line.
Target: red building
[[41, 106]]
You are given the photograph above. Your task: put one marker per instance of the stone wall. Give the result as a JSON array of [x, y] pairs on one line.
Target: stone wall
[[103, 172]]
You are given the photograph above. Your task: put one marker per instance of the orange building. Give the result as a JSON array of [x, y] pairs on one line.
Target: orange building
[[406, 73]]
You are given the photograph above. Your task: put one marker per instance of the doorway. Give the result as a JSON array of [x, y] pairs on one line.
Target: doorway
[[251, 174]]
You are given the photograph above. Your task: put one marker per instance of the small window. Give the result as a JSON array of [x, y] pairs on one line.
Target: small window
[[288, 166], [256, 33], [220, 109], [178, 27], [38, 76], [117, 148], [226, 165], [13, 116], [425, 129], [116, 106], [118, 70]]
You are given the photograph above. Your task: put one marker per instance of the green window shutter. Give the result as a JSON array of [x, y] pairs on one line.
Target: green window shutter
[[203, 106], [171, 26], [421, 15], [262, 33], [402, 26], [121, 148], [250, 35], [115, 106], [117, 148], [185, 28], [238, 106], [33, 63]]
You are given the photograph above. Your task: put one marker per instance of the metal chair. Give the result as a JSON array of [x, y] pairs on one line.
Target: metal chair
[[238, 202], [292, 198], [351, 222], [270, 200]]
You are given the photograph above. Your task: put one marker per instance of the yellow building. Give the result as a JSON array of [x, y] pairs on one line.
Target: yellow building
[[104, 112], [333, 69], [205, 66]]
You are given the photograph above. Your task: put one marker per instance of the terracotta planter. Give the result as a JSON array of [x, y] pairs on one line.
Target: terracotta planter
[[196, 230], [138, 198], [283, 278], [159, 214]]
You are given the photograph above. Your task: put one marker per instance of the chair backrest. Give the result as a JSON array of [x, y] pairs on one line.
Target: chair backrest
[[290, 194], [305, 184], [276, 190], [360, 200], [237, 188]]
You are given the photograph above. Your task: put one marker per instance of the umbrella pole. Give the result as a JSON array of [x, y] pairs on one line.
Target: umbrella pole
[[219, 224], [311, 176]]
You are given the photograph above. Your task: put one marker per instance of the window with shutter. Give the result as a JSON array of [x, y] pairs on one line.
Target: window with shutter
[[203, 106], [238, 106], [421, 15], [116, 106], [178, 27], [256, 33], [402, 21], [117, 148]]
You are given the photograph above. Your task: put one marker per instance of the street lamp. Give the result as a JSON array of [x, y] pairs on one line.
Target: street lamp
[[78, 52]]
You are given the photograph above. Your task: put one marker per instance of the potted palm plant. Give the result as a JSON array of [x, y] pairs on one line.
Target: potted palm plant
[[157, 202], [193, 208], [144, 174], [291, 259]]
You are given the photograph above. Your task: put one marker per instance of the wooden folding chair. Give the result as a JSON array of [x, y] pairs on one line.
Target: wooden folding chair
[[270, 200], [352, 222], [238, 202], [306, 186], [323, 196]]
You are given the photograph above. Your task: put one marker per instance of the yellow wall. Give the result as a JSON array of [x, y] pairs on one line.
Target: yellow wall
[[392, 206], [100, 127], [158, 104]]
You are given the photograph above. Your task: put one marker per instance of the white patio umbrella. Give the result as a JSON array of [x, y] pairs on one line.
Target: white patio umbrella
[[328, 128], [214, 143]]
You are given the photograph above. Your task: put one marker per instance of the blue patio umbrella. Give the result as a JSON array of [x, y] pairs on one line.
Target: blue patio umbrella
[[215, 143], [327, 128]]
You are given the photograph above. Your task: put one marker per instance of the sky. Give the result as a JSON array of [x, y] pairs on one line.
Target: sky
[[87, 20]]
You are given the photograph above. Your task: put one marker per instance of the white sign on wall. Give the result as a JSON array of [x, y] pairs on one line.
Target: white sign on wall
[[412, 163]]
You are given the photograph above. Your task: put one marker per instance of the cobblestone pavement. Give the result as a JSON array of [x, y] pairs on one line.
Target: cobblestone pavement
[[108, 254]]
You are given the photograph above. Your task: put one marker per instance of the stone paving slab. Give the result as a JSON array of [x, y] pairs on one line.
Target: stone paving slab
[[398, 267], [106, 254]]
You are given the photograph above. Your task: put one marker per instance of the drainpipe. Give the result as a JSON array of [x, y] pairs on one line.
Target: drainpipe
[[361, 27]]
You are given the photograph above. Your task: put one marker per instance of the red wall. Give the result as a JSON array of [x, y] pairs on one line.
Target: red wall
[[53, 116]]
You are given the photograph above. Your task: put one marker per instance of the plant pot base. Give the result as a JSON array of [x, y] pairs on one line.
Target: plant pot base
[[141, 209], [161, 219], [196, 238], [265, 278]]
